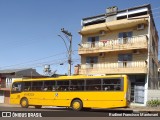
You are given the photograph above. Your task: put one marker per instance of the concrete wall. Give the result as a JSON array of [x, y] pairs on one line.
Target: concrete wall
[[153, 94], [153, 58]]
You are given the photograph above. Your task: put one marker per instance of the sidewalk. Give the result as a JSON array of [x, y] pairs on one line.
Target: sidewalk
[[143, 108], [8, 105], [133, 108], [11, 105]]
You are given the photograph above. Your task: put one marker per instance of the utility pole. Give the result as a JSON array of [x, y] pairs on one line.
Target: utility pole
[[69, 50]]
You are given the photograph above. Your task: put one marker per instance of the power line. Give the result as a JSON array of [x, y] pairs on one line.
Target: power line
[[35, 60], [41, 65], [32, 61]]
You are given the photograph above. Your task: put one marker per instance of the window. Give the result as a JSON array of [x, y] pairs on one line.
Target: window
[[125, 57], [112, 85], [37, 86], [124, 37], [124, 60], [94, 22], [17, 87], [27, 86], [122, 17], [91, 61], [49, 86], [94, 85], [77, 85], [8, 82], [92, 41], [137, 14], [62, 85]]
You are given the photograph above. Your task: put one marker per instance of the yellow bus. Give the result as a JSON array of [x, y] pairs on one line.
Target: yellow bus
[[77, 92]]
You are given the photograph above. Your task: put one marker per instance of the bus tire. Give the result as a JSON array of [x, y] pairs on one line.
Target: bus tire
[[77, 105], [38, 106], [24, 103]]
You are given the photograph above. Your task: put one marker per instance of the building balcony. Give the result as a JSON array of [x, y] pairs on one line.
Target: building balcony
[[128, 67], [135, 42], [113, 25]]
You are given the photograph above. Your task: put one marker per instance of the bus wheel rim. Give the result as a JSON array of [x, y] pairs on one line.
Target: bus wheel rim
[[24, 103], [76, 105]]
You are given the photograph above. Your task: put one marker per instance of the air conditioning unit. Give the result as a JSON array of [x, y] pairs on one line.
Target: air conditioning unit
[[102, 54], [140, 26], [102, 32]]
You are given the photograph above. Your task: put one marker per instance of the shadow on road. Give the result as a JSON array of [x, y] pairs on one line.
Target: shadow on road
[[91, 110]]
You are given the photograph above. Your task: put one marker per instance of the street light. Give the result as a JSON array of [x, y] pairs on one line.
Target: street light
[[69, 50], [64, 42]]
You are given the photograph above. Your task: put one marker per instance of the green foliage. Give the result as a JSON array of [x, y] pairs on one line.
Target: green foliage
[[153, 103]]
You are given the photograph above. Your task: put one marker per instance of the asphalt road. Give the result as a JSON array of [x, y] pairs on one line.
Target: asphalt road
[[65, 113]]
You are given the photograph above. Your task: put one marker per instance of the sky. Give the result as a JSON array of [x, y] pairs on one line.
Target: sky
[[29, 30]]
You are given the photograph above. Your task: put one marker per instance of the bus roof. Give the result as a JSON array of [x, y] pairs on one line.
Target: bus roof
[[68, 77]]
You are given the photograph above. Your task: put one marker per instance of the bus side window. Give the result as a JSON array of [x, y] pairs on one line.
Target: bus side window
[[63, 85], [107, 88], [97, 88], [27, 86], [53, 88], [112, 87], [117, 87], [49, 86], [61, 88], [28, 89], [45, 88]]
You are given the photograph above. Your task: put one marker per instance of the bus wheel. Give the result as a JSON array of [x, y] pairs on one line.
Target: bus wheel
[[38, 106], [24, 103], [77, 105]]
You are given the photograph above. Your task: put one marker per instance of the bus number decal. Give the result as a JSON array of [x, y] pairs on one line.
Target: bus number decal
[[29, 94]]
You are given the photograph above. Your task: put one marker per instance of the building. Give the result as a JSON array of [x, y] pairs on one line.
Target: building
[[122, 42], [159, 73], [8, 76]]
